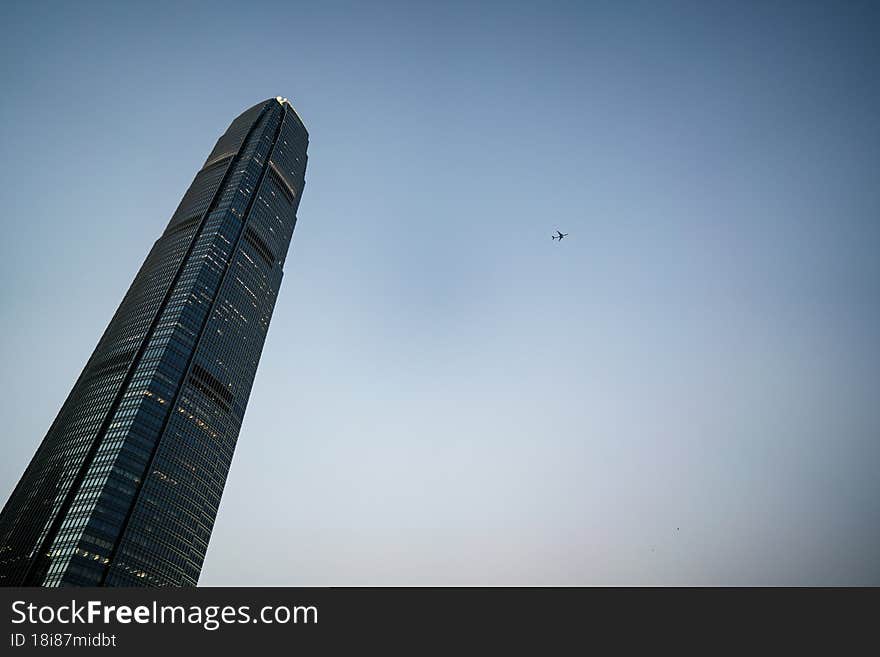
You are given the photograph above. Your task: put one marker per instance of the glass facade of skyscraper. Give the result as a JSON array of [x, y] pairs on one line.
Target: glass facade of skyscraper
[[125, 487]]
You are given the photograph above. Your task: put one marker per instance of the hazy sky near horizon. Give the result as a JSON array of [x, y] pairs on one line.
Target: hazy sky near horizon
[[684, 391]]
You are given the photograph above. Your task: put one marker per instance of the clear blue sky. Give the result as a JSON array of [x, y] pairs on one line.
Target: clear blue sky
[[684, 391]]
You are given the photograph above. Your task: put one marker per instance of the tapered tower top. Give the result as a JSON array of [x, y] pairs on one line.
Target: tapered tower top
[[283, 101]]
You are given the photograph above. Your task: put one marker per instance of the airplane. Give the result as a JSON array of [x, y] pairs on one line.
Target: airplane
[[558, 236]]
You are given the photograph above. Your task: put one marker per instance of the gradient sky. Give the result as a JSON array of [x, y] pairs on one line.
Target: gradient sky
[[684, 391]]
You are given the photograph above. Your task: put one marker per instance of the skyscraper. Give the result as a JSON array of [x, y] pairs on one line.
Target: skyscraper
[[124, 488]]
